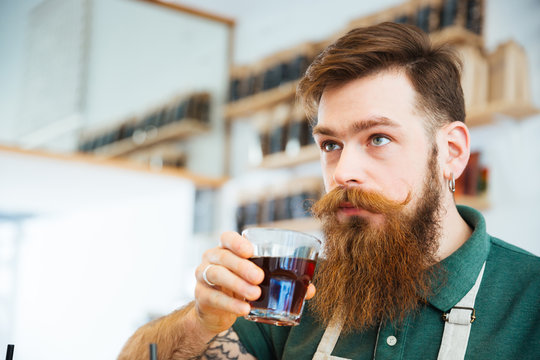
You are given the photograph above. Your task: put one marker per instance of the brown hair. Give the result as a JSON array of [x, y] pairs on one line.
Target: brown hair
[[434, 71]]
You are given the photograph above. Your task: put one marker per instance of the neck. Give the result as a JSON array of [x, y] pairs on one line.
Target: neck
[[455, 231]]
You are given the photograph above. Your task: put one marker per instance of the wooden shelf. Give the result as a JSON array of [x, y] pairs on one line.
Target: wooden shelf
[[457, 35], [284, 159], [85, 158], [479, 202], [262, 100], [175, 131], [302, 224], [485, 115]]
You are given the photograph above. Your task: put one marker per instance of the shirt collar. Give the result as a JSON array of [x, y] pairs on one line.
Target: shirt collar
[[462, 267]]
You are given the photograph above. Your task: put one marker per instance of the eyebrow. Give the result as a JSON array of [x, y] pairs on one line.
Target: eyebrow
[[358, 126]]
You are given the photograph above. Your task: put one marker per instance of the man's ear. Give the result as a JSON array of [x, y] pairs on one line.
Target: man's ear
[[455, 140]]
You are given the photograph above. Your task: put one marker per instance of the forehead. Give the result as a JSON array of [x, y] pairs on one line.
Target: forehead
[[386, 96]]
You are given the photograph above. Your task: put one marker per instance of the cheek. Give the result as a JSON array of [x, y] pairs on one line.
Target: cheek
[[401, 180], [398, 189], [328, 178]]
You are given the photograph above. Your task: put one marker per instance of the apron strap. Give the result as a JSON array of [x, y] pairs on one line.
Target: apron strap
[[328, 341], [456, 332], [457, 326]]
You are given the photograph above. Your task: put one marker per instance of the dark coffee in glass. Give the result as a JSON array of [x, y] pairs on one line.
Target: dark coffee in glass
[[288, 259]]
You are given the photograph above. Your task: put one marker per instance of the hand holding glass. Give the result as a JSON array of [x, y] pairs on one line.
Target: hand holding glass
[[288, 259]]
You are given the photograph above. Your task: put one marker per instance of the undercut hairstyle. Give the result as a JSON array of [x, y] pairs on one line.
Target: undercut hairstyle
[[434, 71]]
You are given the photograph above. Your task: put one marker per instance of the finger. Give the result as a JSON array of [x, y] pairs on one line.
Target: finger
[[227, 280], [234, 295], [237, 244], [310, 293], [210, 297], [241, 267]]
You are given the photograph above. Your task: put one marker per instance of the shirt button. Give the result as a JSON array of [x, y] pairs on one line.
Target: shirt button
[[391, 340]]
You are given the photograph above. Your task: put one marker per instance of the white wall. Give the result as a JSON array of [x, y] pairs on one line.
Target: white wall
[[263, 27], [283, 24], [88, 253], [13, 20], [88, 279], [512, 148]]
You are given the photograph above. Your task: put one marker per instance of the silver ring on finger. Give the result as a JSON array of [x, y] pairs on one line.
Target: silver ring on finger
[[205, 276]]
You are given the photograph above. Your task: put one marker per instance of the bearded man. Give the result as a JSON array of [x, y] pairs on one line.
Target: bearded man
[[407, 274]]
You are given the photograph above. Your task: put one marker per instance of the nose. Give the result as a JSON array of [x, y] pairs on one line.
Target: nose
[[350, 168]]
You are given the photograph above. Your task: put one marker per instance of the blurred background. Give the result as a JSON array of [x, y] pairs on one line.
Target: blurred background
[[132, 133]]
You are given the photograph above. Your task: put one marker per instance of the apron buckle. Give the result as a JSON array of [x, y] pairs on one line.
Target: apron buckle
[[446, 316]]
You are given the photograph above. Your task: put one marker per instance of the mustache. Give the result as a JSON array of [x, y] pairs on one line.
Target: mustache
[[372, 201]]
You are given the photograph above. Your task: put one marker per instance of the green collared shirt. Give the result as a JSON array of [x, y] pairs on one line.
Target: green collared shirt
[[507, 308]]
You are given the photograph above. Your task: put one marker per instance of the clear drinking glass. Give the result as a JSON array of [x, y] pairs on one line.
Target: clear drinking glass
[[288, 259]]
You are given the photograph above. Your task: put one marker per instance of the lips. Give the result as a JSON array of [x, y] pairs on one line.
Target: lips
[[347, 208]]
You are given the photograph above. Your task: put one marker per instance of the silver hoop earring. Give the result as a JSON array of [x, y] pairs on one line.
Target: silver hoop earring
[[452, 184]]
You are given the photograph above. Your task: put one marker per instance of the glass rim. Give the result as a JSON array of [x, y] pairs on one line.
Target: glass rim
[[281, 230]]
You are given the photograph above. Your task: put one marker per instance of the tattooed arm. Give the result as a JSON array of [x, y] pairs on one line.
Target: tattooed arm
[[178, 337], [226, 346]]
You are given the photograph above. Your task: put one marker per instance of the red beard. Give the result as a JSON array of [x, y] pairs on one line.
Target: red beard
[[375, 272]]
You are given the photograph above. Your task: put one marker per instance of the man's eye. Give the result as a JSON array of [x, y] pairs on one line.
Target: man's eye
[[379, 140], [329, 146]]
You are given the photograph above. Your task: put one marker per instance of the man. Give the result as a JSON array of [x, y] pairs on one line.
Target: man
[[406, 274]]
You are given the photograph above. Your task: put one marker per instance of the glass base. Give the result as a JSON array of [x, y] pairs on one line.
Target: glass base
[[273, 317]]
